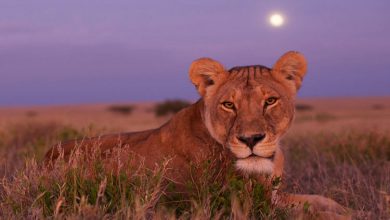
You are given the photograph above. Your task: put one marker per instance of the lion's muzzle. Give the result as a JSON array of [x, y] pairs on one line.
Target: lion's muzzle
[[251, 140]]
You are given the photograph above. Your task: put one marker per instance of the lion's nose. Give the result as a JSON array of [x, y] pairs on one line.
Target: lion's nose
[[252, 140]]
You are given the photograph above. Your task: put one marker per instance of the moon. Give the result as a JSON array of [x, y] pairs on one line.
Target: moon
[[276, 20]]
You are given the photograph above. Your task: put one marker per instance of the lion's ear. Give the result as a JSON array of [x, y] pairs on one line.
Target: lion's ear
[[290, 70], [205, 72]]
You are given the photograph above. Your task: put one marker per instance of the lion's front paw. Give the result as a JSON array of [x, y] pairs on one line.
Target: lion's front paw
[[320, 203], [318, 207]]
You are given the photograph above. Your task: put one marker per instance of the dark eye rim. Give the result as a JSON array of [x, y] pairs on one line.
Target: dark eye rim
[[273, 100], [224, 104]]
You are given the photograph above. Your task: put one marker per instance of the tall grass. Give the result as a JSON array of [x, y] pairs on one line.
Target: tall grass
[[25, 140], [87, 187], [351, 167], [81, 188]]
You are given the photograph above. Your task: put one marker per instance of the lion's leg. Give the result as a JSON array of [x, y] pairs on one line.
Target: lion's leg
[[319, 206]]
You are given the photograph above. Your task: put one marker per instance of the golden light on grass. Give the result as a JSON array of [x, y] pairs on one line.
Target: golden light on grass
[[276, 20]]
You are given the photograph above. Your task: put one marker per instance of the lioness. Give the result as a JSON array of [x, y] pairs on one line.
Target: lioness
[[245, 110]]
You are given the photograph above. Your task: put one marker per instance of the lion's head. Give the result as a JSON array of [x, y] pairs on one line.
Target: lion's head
[[247, 109]]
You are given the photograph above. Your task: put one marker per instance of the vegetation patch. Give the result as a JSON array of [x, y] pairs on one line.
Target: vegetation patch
[[303, 107], [31, 113], [351, 167], [23, 141], [321, 117], [84, 188], [121, 109], [378, 107], [170, 107], [324, 117]]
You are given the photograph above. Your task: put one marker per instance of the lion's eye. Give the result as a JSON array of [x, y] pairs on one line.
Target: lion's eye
[[228, 105], [271, 101]]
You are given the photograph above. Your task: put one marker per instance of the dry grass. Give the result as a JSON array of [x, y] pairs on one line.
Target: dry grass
[[340, 151], [83, 188], [351, 167], [80, 189]]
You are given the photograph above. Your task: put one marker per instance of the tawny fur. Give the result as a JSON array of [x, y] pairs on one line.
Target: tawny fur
[[211, 126]]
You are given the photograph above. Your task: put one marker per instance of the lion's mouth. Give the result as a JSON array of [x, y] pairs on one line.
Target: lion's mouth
[[271, 157], [256, 164]]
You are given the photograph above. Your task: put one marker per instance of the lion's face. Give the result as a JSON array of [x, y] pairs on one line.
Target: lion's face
[[248, 109]]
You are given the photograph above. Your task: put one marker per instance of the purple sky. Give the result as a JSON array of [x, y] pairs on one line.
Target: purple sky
[[78, 51]]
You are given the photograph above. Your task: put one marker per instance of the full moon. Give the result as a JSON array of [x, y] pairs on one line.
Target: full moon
[[276, 20]]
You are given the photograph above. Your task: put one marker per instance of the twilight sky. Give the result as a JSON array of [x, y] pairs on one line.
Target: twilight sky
[[79, 51]]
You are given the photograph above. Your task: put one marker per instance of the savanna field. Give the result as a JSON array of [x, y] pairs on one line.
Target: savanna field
[[339, 148]]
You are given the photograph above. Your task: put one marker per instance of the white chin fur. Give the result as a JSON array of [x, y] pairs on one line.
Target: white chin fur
[[255, 165]]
